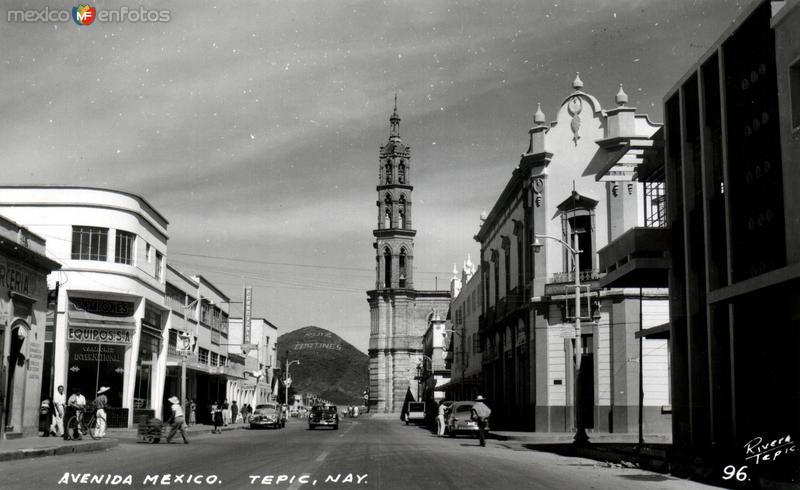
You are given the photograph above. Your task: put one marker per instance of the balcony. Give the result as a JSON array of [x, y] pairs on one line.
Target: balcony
[[639, 258]]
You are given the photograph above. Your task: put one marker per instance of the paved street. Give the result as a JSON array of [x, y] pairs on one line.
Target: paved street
[[382, 453]]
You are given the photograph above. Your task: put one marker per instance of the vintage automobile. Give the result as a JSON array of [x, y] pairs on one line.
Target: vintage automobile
[[459, 420], [323, 415], [416, 412], [267, 415]]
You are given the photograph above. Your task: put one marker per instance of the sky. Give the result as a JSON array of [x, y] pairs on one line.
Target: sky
[[254, 126]]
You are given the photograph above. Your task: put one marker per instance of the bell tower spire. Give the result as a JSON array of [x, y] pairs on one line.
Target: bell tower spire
[[394, 120], [394, 236]]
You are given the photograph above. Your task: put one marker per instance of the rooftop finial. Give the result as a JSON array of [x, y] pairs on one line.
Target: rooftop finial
[[622, 97], [395, 100], [538, 117], [577, 84]]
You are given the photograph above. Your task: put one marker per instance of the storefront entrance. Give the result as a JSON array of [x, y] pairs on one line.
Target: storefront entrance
[[94, 365], [14, 382]]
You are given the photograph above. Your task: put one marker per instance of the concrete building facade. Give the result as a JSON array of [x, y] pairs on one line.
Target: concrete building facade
[[464, 347], [24, 370], [540, 372], [109, 325]]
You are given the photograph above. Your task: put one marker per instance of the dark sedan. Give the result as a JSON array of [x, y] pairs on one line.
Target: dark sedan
[[323, 416]]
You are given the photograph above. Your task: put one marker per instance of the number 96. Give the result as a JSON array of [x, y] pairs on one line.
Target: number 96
[[731, 471]]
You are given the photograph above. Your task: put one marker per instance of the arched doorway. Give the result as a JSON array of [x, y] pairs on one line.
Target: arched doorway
[[16, 374]]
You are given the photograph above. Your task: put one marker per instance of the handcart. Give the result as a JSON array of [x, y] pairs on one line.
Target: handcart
[[150, 430]]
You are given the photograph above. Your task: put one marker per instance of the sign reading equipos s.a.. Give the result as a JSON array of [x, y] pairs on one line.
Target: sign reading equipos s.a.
[[99, 335]]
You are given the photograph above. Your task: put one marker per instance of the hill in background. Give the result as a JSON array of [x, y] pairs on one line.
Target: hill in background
[[330, 367]]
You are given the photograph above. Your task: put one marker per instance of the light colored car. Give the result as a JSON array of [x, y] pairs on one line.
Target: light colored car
[[459, 420], [416, 412], [267, 415]]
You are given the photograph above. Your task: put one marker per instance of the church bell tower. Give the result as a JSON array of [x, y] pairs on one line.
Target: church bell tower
[[394, 237]]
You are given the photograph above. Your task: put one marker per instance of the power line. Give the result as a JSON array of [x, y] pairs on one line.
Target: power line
[[289, 264]]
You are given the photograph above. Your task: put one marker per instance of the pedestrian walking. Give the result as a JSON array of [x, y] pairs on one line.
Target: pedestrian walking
[[100, 404], [234, 411], [59, 410], [216, 417], [177, 420], [226, 412], [480, 414], [440, 419], [192, 412], [246, 413], [46, 417]]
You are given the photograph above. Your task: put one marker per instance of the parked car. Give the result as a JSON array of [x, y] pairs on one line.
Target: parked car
[[267, 415], [459, 420], [323, 415], [416, 412]]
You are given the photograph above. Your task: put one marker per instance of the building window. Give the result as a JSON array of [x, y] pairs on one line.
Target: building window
[[388, 172], [496, 262], [159, 265], [401, 213], [123, 248], [202, 356], [794, 93], [402, 265], [148, 252], [401, 173], [387, 268], [89, 243], [214, 359], [655, 205], [223, 361]]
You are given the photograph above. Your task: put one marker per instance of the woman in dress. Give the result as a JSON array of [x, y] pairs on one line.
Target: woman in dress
[[216, 415]]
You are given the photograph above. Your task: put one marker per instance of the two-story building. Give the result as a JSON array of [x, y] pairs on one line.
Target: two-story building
[[108, 327], [463, 342], [549, 364], [260, 356]]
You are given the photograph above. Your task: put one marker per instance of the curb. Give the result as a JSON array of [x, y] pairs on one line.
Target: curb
[[15, 454], [132, 434]]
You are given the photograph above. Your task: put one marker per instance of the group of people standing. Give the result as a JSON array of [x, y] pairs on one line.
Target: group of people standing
[[56, 411]]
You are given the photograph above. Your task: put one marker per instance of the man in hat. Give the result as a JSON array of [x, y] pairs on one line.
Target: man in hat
[[177, 420], [100, 404], [480, 414]]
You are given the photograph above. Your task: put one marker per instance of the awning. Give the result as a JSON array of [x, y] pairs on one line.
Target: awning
[[658, 332]]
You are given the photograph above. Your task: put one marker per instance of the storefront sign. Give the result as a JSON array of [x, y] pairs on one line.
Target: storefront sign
[[96, 353], [16, 277], [248, 306], [104, 307], [100, 335]]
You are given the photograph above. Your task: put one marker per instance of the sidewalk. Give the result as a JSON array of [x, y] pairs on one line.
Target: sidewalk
[[131, 432], [34, 447]]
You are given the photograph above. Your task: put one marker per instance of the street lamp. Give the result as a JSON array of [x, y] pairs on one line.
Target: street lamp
[[288, 379], [580, 433], [187, 347]]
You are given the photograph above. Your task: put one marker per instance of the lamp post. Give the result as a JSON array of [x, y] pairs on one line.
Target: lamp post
[[185, 351], [288, 379], [580, 433]]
